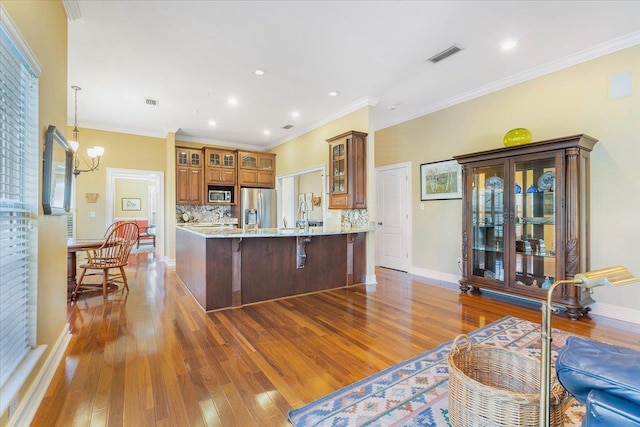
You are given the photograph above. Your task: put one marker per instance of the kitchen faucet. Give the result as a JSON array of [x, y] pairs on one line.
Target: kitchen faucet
[[303, 222]]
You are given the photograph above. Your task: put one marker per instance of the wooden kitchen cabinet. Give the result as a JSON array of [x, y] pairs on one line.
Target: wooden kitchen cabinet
[[220, 166], [189, 179], [188, 157], [347, 171], [256, 169], [525, 220]]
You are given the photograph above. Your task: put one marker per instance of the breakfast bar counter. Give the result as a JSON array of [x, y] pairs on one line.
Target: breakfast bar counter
[[230, 267]]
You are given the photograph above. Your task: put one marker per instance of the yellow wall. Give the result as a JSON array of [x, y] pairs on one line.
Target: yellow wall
[[122, 151], [571, 101], [311, 149], [132, 189], [44, 27], [170, 196]]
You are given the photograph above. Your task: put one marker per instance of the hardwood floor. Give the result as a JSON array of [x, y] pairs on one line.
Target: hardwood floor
[[154, 358]]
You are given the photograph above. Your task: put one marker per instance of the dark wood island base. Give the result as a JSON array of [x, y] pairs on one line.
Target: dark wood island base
[[235, 270]]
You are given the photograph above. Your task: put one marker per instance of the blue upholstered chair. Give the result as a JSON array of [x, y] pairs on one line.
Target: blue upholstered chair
[[605, 377]]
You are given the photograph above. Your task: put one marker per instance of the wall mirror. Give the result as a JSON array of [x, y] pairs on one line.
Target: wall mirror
[[57, 171]]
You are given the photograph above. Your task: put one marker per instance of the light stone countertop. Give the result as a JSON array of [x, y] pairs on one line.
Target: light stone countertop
[[213, 231]]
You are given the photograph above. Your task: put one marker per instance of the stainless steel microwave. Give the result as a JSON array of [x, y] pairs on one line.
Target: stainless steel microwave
[[219, 196]]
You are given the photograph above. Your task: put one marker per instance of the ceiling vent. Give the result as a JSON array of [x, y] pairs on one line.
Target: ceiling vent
[[152, 102], [444, 54], [287, 127]]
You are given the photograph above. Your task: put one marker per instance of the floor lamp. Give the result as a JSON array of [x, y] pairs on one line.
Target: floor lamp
[[612, 276]]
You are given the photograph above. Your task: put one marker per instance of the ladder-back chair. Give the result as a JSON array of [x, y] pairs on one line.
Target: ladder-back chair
[[113, 254]]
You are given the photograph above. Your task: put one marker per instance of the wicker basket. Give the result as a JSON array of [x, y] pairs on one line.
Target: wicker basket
[[492, 386]]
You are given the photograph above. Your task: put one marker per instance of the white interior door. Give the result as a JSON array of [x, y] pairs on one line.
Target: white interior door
[[393, 236]]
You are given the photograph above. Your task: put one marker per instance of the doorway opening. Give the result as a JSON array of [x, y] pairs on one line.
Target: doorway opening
[[308, 185], [137, 195]]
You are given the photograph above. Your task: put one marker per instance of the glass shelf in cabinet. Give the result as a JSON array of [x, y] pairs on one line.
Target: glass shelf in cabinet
[[538, 220], [488, 249]]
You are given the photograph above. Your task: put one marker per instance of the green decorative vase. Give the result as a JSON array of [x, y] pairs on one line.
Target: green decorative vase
[[517, 136]]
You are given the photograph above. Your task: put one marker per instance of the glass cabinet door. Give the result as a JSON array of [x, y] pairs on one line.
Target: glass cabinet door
[[229, 160], [534, 214], [249, 161], [195, 158], [266, 163], [214, 159], [487, 218], [339, 166]]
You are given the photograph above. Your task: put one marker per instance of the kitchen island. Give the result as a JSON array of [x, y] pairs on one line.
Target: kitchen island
[[225, 267]]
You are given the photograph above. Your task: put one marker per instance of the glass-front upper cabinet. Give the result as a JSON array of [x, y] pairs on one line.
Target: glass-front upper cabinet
[[348, 171], [339, 165], [524, 219]]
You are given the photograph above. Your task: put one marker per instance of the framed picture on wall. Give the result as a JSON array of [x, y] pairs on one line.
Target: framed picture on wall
[[440, 180], [129, 204]]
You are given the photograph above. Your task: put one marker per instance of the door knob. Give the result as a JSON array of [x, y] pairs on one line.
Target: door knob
[[380, 223]]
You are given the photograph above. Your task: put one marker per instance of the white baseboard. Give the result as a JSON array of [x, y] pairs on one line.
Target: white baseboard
[[616, 312], [169, 262], [444, 280], [371, 279], [450, 281], [29, 404]]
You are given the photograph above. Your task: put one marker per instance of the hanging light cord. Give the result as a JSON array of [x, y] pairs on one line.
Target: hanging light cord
[[76, 132]]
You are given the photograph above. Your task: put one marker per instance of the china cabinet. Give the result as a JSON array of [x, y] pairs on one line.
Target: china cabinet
[[347, 171], [256, 169], [189, 180], [525, 219], [220, 166]]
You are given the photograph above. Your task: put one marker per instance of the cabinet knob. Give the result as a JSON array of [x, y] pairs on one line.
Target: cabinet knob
[[380, 223]]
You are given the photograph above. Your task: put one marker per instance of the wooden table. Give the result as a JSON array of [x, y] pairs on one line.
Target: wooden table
[[74, 246]]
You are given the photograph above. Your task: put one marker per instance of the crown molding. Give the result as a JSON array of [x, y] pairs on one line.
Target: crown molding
[[16, 38], [594, 52], [367, 101], [72, 9], [219, 143]]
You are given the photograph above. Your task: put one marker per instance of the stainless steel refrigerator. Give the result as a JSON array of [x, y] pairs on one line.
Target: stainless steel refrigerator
[[258, 208]]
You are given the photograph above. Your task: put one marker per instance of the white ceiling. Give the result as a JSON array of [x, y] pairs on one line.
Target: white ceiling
[[193, 55]]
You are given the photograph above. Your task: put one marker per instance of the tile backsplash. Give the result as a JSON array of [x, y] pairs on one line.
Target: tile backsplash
[[355, 217], [201, 213]]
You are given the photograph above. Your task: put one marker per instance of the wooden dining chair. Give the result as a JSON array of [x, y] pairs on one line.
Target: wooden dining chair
[[113, 254]]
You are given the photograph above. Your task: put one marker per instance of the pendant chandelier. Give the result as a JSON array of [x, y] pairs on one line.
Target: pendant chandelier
[[94, 153]]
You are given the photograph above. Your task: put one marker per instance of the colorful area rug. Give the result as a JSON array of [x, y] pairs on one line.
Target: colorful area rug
[[415, 392]]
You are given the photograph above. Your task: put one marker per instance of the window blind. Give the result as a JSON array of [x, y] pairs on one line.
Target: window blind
[[18, 204]]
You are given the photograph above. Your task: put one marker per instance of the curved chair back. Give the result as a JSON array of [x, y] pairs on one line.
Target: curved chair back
[[115, 251], [113, 254]]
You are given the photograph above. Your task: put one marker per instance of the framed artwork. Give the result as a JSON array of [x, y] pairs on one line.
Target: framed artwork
[[129, 204], [440, 180]]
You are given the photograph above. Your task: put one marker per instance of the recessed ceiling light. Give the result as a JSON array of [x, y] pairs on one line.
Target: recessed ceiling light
[[267, 132], [509, 44], [259, 72], [334, 93], [295, 114], [232, 101], [212, 123]]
